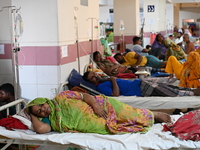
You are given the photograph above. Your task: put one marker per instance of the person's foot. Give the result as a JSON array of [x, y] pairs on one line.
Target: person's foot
[[162, 117], [197, 92]]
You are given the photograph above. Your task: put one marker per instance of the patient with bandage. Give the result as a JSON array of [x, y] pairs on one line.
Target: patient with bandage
[[71, 111]]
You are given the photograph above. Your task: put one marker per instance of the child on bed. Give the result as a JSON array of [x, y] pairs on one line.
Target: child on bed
[[71, 111]]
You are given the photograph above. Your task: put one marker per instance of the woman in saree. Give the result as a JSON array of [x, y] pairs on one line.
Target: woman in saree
[[158, 44], [188, 72], [171, 49], [71, 111]]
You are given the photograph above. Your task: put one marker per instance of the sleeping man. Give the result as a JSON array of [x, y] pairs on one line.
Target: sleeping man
[[117, 87]]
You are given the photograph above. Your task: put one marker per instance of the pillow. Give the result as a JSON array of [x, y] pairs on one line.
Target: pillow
[[75, 79], [24, 117]]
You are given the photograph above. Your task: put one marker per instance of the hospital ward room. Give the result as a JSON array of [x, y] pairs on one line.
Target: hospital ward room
[[100, 75]]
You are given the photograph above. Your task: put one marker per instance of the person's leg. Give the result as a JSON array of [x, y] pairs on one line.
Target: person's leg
[[154, 62], [174, 67], [160, 117], [149, 88]]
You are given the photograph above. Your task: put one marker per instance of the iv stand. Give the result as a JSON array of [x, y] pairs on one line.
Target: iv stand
[[92, 48], [77, 43], [12, 13]]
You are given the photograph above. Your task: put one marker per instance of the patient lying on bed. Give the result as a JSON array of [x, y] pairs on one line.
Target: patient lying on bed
[[72, 111], [116, 87], [110, 68]]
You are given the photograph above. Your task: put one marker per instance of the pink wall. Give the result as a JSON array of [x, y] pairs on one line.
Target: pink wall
[[51, 55]]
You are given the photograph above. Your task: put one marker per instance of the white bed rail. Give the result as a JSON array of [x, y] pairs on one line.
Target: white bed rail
[[16, 102], [63, 86]]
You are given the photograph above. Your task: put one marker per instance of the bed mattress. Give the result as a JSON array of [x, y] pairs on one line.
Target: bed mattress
[[155, 103], [154, 139]]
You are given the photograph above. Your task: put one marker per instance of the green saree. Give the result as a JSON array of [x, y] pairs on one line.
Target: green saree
[[173, 49], [71, 114]]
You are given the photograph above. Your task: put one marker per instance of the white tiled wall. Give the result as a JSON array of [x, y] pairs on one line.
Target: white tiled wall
[[39, 81], [6, 74]]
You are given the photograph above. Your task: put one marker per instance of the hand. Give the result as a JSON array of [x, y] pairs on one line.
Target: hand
[[99, 111], [112, 78], [135, 66]]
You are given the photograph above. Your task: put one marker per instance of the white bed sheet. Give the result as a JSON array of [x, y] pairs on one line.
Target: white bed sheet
[[155, 103], [154, 139]]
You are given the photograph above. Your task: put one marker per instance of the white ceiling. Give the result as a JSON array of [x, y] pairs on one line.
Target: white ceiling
[[183, 1]]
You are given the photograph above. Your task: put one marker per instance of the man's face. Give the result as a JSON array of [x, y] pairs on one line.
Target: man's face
[[185, 38], [119, 59], [178, 35], [98, 58], [138, 42], [94, 78], [4, 96]]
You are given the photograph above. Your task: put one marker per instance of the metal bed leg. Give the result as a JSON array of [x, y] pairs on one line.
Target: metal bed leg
[[8, 144], [22, 147]]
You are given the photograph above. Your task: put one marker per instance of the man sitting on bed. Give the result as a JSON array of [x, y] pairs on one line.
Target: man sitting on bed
[[116, 87], [7, 95]]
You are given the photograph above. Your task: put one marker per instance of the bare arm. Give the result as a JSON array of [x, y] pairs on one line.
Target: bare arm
[[139, 60], [105, 70], [39, 126], [145, 50], [115, 87], [98, 110]]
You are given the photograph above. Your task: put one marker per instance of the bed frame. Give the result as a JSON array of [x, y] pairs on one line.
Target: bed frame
[[164, 104], [154, 139]]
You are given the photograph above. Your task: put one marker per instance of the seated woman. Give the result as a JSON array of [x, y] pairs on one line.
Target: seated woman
[[169, 48], [110, 68], [188, 73], [71, 111]]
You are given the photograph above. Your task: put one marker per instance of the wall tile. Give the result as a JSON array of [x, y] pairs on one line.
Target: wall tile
[[28, 91], [48, 74], [47, 91], [6, 66], [6, 79], [28, 75]]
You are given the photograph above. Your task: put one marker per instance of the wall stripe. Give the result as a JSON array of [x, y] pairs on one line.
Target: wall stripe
[[51, 55], [8, 52]]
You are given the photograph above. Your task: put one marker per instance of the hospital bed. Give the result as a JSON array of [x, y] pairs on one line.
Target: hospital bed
[[155, 139], [165, 104]]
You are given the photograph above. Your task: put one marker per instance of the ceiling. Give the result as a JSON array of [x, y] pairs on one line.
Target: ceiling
[[183, 1]]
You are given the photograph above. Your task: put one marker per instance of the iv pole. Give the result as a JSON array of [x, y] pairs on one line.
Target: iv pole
[[12, 13], [92, 48], [77, 43]]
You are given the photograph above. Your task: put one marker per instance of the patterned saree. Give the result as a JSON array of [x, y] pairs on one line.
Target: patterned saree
[[190, 74], [71, 114], [173, 49]]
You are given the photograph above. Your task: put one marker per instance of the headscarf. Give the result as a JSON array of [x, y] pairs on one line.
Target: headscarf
[[55, 110], [37, 101], [156, 44]]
